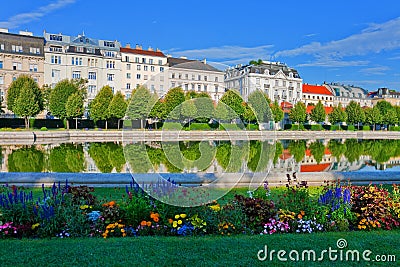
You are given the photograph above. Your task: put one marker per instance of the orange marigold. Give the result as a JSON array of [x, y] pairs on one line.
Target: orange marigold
[[143, 223]]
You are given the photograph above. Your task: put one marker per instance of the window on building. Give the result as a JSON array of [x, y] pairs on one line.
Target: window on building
[[152, 68], [110, 77], [92, 89], [143, 60], [199, 77], [54, 37], [33, 67], [128, 75], [216, 88], [159, 62], [1, 79], [76, 75], [150, 61], [109, 44], [127, 58], [152, 88], [138, 67], [17, 48], [109, 54], [128, 66], [145, 77], [138, 76], [128, 86], [179, 76], [136, 60], [34, 50], [1, 46], [79, 49], [173, 85], [161, 69], [17, 66], [161, 78], [276, 83], [199, 87], [92, 75], [55, 74], [186, 86], [145, 68], [55, 59], [205, 88], [284, 83], [110, 64], [216, 79], [1, 64], [172, 75]]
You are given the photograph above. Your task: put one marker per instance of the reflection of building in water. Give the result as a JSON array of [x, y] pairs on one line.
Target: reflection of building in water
[[392, 162], [90, 164], [286, 163]]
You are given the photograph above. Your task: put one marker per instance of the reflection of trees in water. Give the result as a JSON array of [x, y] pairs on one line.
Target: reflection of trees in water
[[137, 158], [337, 148], [298, 149], [107, 156], [260, 155], [27, 159], [354, 150], [66, 158], [317, 150], [278, 151]]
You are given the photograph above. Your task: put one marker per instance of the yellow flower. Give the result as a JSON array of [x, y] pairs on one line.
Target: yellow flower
[[183, 216], [179, 221], [35, 225], [122, 230], [83, 207], [177, 216], [216, 207], [174, 224]]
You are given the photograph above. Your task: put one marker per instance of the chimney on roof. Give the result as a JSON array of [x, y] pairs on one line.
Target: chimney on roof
[[150, 49], [26, 33], [128, 45], [5, 30], [158, 50], [204, 61], [139, 47]]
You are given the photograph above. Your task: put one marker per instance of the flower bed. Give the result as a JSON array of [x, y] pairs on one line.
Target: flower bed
[[71, 211]]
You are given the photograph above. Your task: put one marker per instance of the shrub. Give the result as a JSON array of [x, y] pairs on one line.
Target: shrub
[[366, 128], [351, 128], [199, 126], [335, 127], [43, 129], [316, 127], [172, 126]]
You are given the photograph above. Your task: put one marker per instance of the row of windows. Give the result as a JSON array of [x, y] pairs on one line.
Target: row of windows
[[193, 76], [77, 75], [14, 78], [143, 60], [193, 87], [318, 97]]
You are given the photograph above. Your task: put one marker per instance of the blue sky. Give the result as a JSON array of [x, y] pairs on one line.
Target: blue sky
[[351, 42]]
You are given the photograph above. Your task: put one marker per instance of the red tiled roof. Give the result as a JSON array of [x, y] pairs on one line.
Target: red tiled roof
[[316, 89], [285, 155], [328, 110], [315, 167], [142, 52]]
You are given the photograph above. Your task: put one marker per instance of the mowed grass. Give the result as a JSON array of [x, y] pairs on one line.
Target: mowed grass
[[194, 251]]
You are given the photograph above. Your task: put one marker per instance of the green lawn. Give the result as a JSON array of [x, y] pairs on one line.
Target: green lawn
[[194, 251]]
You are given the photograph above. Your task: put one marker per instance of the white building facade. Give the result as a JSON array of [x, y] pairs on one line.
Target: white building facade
[[75, 57], [275, 79], [195, 75], [143, 67]]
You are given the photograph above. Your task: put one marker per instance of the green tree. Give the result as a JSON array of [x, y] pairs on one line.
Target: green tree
[[221, 112], [24, 98], [258, 101], [173, 99], [373, 116], [298, 113], [28, 103], [117, 107], [188, 110], [140, 105], [248, 114], [98, 108], [337, 148], [158, 110], [355, 114], [26, 160], [318, 113], [74, 107], [277, 112], [204, 107], [338, 115], [233, 99]]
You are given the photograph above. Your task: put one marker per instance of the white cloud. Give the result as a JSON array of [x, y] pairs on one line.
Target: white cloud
[[228, 55], [373, 39], [334, 63], [381, 70], [23, 18]]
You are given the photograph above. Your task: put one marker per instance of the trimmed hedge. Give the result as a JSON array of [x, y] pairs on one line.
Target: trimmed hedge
[[198, 127], [172, 126], [366, 128], [394, 128], [294, 127]]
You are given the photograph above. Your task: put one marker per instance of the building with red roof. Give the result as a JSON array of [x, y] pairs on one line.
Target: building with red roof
[[314, 93]]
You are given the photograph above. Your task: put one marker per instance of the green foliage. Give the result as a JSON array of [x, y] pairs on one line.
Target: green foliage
[[74, 106], [173, 99], [59, 97], [137, 158], [316, 127], [260, 106], [298, 113], [277, 112], [298, 149], [221, 112], [67, 158], [317, 150], [26, 160], [318, 113], [199, 127], [278, 151], [107, 156], [172, 126], [204, 107], [98, 108], [43, 128], [372, 115], [188, 110], [337, 148], [354, 150], [117, 107], [355, 113], [232, 99]]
